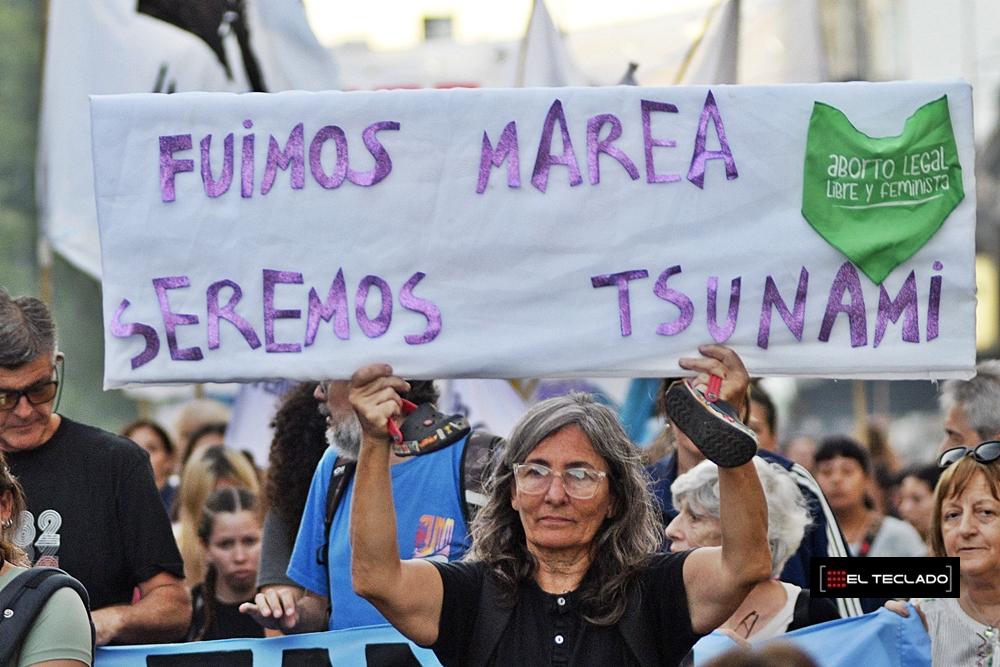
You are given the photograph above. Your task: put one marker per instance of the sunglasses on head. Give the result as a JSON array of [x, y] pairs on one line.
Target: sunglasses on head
[[985, 452]]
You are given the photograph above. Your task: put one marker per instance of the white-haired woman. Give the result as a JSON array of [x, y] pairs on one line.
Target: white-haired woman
[[773, 607]]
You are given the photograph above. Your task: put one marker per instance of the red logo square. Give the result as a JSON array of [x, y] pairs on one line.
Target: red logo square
[[836, 578]]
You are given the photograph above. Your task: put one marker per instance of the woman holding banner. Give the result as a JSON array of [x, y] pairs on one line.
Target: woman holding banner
[[966, 525], [564, 566]]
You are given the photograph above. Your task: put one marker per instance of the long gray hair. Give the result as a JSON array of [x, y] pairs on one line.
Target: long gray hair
[[625, 541]]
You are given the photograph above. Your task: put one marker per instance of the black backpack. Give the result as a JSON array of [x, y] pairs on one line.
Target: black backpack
[[475, 469], [22, 600]]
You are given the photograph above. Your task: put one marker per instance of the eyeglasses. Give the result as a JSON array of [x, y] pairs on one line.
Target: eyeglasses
[[36, 395], [985, 452], [579, 483]]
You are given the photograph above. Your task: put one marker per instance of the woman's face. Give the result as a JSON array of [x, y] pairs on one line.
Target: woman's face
[[843, 481], [234, 548], [916, 503], [552, 520], [970, 528], [161, 460], [693, 529]]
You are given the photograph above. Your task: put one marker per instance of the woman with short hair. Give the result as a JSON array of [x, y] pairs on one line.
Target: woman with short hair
[[966, 525], [152, 437], [773, 607]]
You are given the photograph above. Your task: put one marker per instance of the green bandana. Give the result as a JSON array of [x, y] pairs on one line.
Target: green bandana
[[879, 200]]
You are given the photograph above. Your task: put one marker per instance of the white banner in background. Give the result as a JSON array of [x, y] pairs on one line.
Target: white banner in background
[[131, 46], [821, 230]]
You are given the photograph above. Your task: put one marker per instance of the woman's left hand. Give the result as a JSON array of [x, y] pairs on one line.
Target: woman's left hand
[[723, 362]]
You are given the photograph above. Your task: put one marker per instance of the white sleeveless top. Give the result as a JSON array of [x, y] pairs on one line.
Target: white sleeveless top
[[779, 623]]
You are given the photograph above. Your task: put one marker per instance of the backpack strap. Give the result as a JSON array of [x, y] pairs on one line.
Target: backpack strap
[[23, 599], [476, 459], [492, 617], [800, 615], [343, 470]]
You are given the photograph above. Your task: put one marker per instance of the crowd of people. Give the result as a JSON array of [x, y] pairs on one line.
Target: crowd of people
[[564, 543]]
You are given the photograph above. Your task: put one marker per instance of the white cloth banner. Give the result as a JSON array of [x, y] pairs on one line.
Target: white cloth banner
[[537, 232]]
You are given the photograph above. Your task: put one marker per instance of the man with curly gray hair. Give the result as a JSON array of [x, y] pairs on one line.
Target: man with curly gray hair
[[972, 407]]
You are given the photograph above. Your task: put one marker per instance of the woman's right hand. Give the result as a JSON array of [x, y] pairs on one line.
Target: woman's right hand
[[374, 395]]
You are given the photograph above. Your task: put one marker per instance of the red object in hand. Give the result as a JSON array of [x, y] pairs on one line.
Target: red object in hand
[[394, 432], [714, 385]]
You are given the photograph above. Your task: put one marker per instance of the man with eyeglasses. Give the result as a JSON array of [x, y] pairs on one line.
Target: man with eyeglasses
[[972, 407], [93, 507]]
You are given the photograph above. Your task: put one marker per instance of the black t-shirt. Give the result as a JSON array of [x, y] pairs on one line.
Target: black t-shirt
[[95, 512], [546, 629], [227, 621]]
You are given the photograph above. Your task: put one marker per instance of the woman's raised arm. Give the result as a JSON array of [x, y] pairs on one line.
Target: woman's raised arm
[[408, 593]]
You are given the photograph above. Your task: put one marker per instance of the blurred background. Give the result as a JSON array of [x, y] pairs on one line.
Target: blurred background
[[53, 54]]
